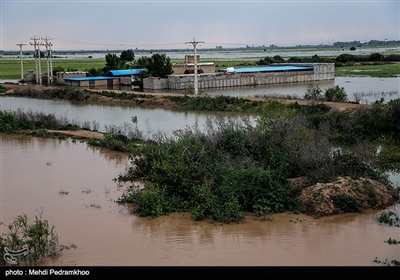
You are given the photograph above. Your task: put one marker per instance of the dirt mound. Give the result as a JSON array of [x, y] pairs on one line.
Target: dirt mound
[[344, 194], [79, 134], [145, 102]]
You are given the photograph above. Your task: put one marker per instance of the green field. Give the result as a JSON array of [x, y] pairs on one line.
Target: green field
[[11, 68], [379, 71]]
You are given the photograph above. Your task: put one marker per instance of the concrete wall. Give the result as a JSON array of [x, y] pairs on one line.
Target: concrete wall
[[180, 68], [321, 72], [189, 58], [219, 80], [95, 84], [155, 83], [60, 76]]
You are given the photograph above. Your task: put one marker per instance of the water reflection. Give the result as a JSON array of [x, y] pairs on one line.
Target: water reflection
[[150, 120]]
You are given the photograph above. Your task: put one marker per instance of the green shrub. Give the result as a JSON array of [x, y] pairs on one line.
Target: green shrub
[[345, 58], [336, 94], [39, 238], [346, 203], [153, 203], [313, 92], [376, 57], [390, 218]]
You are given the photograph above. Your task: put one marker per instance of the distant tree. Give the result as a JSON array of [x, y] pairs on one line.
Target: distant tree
[[158, 65], [316, 58], [95, 71], [113, 62], [127, 55], [344, 58], [36, 54], [278, 59], [295, 59], [57, 69], [376, 57], [266, 61]]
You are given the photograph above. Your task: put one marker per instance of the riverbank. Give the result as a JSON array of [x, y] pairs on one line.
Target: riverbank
[[159, 100], [281, 148]]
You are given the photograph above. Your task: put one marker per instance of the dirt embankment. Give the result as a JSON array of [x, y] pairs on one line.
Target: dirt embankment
[[158, 99]]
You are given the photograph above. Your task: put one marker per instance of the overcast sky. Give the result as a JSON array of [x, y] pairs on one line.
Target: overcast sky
[[164, 24]]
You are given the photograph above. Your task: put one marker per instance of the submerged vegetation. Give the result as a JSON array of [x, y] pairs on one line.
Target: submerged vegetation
[[236, 166], [389, 218], [30, 243]]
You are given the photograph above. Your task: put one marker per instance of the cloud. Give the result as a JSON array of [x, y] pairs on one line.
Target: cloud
[[169, 24]]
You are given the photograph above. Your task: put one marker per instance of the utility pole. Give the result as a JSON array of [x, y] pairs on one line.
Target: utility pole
[[195, 43], [36, 45], [49, 63], [20, 56]]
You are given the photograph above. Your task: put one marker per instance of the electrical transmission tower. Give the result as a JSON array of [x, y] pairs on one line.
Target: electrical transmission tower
[[36, 46], [20, 56], [49, 62], [195, 43]]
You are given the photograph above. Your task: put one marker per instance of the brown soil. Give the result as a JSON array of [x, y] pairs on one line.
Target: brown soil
[[78, 134], [318, 199]]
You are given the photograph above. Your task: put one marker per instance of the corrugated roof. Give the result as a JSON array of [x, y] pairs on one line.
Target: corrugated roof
[[126, 72], [92, 78], [272, 69]]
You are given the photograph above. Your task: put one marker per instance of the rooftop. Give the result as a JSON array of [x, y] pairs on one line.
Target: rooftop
[[272, 69]]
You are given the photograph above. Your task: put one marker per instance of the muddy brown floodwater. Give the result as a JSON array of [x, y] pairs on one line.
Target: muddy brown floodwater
[[35, 170]]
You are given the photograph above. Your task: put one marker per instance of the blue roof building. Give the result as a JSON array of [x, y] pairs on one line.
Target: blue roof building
[[111, 80], [126, 72]]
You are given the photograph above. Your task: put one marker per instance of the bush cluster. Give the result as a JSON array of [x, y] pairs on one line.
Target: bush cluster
[[17, 120], [39, 238], [334, 94], [235, 166]]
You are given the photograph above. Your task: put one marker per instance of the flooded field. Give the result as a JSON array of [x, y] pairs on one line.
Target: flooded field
[[35, 170]]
